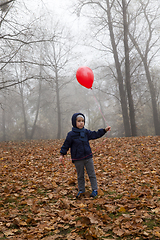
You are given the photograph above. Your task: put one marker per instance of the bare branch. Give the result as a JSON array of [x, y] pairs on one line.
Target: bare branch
[[15, 83], [5, 3]]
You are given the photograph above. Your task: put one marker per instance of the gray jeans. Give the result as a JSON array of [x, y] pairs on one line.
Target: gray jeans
[[88, 164]]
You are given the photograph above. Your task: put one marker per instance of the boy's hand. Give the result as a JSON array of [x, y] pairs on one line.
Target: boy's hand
[[107, 128], [61, 158]]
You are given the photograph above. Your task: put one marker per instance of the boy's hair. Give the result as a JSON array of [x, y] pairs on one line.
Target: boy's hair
[[74, 117]]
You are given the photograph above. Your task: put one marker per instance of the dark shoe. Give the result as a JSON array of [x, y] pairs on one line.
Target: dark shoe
[[80, 193], [94, 193]]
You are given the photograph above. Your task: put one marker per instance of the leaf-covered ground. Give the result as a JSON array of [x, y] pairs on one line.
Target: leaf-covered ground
[[37, 193]]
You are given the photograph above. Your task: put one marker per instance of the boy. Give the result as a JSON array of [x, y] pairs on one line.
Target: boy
[[78, 141]]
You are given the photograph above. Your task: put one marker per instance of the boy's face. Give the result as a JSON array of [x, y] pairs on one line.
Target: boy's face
[[80, 122]]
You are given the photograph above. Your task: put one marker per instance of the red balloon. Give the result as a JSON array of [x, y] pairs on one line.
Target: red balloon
[[85, 77]]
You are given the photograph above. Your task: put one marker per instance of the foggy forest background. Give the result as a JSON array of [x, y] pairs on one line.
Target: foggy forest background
[[40, 54]]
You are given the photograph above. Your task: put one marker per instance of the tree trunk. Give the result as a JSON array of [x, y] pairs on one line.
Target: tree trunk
[[120, 77], [4, 118], [3, 125], [37, 110], [153, 99], [24, 117], [58, 107], [127, 71]]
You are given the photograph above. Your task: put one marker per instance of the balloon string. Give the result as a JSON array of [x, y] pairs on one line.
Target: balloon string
[[99, 107]]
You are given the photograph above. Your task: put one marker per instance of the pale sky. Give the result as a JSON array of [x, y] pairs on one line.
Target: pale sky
[[61, 9], [58, 9]]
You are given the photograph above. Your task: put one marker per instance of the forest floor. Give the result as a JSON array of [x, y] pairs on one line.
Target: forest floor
[[37, 192]]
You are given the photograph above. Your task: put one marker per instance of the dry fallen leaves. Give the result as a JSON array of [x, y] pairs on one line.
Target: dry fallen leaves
[[37, 193]]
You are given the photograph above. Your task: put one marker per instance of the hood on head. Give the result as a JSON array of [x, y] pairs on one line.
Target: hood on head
[[74, 118]]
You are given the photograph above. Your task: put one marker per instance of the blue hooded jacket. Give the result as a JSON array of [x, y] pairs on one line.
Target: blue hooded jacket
[[78, 141]]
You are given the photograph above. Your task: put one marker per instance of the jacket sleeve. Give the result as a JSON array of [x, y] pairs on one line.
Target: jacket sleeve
[[66, 145], [95, 134]]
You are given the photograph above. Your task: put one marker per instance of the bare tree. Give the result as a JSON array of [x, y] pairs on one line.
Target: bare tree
[[21, 50], [58, 58], [127, 68], [126, 24], [106, 19], [37, 107], [17, 36], [145, 49]]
